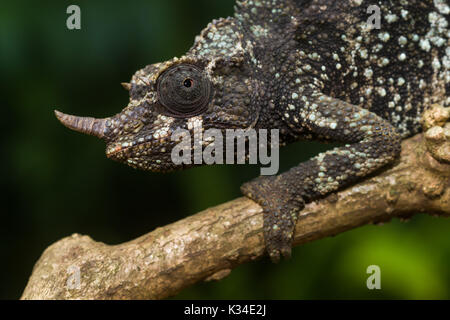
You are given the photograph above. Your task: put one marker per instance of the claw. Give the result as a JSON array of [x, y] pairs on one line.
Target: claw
[[286, 252], [274, 256]]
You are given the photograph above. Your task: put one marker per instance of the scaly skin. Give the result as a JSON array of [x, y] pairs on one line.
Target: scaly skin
[[312, 69]]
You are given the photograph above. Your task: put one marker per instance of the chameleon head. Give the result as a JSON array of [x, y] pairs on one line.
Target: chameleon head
[[208, 88]]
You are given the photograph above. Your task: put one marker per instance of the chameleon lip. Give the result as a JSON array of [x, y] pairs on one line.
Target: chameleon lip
[[87, 125], [116, 149]]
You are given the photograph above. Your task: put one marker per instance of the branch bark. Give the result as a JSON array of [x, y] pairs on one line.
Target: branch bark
[[208, 245]]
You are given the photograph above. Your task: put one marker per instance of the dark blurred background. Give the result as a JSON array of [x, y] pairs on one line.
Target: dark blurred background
[[55, 182]]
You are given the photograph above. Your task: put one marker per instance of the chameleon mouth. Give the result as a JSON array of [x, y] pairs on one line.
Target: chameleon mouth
[[121, 151], [86, 125], [159, 162], [117, 151]]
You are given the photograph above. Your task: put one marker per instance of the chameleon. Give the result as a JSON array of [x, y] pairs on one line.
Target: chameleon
[[313, 69]]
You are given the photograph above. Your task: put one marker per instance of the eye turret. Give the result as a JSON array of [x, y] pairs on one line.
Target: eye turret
[[184, 90]]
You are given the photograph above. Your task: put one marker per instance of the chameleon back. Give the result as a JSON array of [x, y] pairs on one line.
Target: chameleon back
[[340, 76], [395, 71]]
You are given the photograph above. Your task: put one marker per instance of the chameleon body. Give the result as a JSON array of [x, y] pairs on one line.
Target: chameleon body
[[315, 70]]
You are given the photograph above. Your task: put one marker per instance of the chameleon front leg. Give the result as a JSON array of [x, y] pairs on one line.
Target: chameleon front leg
[[372, 142]]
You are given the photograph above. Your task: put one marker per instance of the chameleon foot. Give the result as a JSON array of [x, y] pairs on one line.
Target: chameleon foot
[[437, 132], [280, 214]]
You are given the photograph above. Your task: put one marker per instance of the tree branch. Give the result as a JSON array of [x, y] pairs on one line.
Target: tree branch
[[208, 245]]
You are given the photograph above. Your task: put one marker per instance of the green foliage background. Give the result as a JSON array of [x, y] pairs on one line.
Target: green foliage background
[[55, 182]]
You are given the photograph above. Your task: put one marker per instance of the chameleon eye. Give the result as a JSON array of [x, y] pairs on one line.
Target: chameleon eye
[[188, 83], [184, 90]]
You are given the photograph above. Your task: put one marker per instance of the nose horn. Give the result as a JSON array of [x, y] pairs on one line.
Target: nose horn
[[87, 125]]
